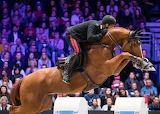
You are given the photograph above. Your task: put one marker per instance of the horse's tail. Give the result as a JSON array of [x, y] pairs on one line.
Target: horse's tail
[[15, 96]]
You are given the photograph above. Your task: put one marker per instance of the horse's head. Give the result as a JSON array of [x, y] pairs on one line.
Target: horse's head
[[132, 44], [129, 42]]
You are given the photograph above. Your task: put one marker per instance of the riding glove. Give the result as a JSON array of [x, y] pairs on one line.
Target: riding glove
[[104, 31]]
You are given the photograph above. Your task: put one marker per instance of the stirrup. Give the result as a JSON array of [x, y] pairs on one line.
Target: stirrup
[[63, 63]]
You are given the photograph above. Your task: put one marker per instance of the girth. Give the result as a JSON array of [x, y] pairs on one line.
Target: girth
[[94, 46]]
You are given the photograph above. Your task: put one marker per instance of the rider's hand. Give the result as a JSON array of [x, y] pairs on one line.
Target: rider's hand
[[104, 31]]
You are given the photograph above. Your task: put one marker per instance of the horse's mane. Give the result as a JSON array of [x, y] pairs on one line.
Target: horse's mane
[[118, 29]]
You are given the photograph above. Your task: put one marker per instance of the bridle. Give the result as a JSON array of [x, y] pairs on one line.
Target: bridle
[[130, 40], [132, 37]]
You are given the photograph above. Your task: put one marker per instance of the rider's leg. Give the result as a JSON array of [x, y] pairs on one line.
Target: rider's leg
[[73, 59]]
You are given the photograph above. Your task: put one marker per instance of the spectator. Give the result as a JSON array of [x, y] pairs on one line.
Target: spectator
[[31, 57], [107, 94], [86, 13], [32, 65], [94, 105], [4, 33], [17, 66], [16, 17], [121, 7], [38, 13], [19, 59], [133, 5], [5, 81], [75, 16], [155, 105], [4, 92], [139, 18], [58, 43], [53, 16], [15, 7], [145, 77], [112, 4], [102, 11], [14, 35], [109, 105], [43, 19], [122, 93], [6, 48], [6, 24], [127, 18], [53, 27], [131, 79], [18, 44], [133, 88], [149, 89], [143, 27], [33, 49], [61, 21], [78, 94], [16, 74], [4, 103], [43, 66], [137, 93], [44, 60], [29, 27], [3, 42], [18, 50], [46, 47], [98, 5], [6, 68], [50, 5], [90, 96], [43, 29], [28, 18], [6, 57], [5, 13], [121, 86]]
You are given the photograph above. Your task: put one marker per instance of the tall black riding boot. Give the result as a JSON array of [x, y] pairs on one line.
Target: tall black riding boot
[[68, 71]]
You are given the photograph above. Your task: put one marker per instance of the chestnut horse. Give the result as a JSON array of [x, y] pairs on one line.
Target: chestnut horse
[[33, 93]]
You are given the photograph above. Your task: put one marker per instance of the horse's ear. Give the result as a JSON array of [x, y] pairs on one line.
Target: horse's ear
[[135, 33], [139, 31]]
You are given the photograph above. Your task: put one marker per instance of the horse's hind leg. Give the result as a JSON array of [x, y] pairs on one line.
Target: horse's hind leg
[[19, 110], [46, 103], [16, 110]]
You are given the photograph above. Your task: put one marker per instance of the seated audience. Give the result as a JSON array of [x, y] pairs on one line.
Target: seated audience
[[4, 103], [94, 105], [149, 89], [109, 105], [155, 105], [90, 96]]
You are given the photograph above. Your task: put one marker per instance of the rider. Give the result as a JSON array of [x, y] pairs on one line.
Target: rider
[[89, 31]]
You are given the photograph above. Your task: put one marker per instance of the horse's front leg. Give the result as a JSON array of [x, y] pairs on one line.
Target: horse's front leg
[[116, 64], [120, 67]]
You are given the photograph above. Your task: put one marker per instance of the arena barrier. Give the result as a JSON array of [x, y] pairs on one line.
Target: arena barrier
[[89, 112], [130, 105], [70, 105]]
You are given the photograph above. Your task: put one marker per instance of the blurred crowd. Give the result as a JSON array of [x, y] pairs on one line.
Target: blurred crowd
[[32, 37]]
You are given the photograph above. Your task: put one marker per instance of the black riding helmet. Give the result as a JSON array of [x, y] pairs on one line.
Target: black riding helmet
[[108, 19]]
